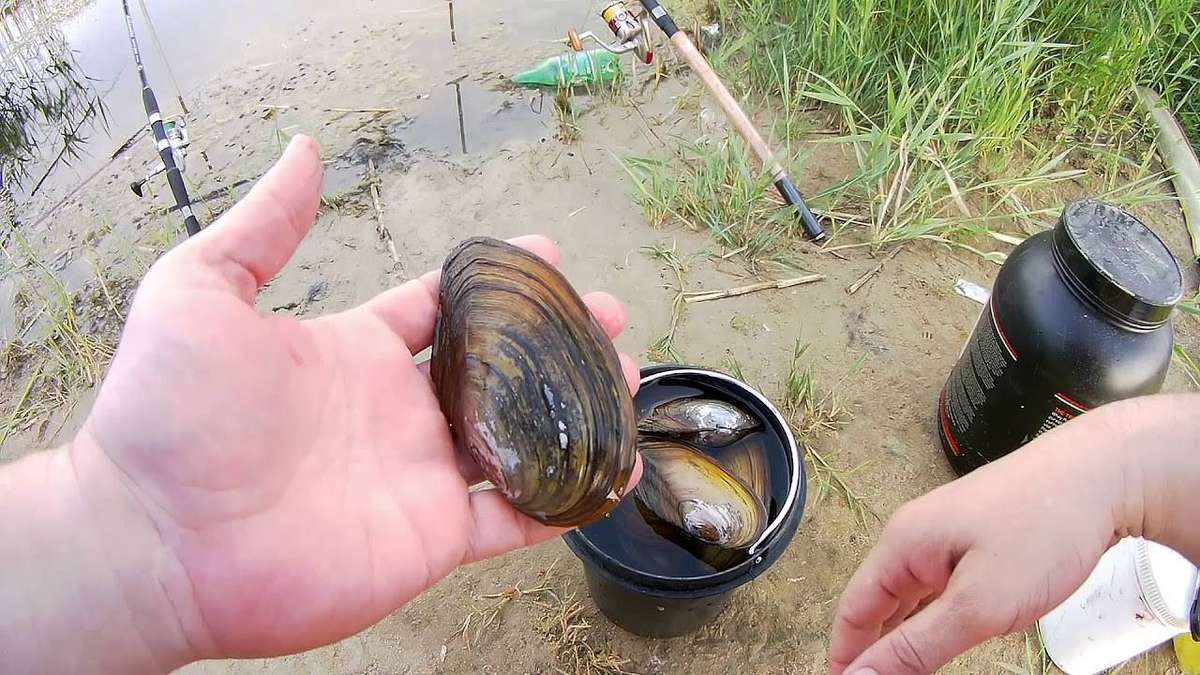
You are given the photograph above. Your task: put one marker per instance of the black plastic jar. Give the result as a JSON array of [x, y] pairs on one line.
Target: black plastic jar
[[1079, 317]]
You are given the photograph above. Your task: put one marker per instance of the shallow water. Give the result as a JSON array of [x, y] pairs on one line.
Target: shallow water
[[467, 116], [203, 41]]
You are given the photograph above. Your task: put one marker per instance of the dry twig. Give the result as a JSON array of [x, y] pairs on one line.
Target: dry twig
[[706, 296], [384, 234]]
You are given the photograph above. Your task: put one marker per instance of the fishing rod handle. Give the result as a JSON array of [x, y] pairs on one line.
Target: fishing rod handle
[[733, 110], [182, 203], [741, 122], [808, 221], [167, 155]]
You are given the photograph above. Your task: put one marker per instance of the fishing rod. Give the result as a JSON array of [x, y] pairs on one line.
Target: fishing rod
[[171, 138], [687, 49], [632, 31]]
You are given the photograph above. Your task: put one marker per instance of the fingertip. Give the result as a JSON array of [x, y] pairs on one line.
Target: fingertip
[[636, 477], [252, 242], [539, 245], [633, 375], [303, 145], [609, 312], [298, 167]]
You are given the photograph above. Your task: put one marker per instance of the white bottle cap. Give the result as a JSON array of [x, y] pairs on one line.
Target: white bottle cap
[[1138, 597]]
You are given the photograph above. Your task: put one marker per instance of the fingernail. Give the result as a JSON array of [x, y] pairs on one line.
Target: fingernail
[[865, 671]]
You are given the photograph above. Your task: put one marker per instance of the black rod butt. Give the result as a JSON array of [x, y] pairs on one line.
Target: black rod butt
[[791, 195], [661, 17]]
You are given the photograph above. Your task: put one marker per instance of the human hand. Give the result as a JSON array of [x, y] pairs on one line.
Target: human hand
[[991, 553], [299, 475]]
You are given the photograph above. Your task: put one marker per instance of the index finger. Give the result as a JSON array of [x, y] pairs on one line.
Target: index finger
[[894, 576], [251, 243]]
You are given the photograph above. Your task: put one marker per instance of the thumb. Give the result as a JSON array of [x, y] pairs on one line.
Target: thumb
[[251, 243], [925, 642]]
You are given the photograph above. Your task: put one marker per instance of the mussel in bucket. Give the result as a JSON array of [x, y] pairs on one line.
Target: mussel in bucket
[[686, 488], [717, 557], [699, 420], [531, 386], [748, 461]]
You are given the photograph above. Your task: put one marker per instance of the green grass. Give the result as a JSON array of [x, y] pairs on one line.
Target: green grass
[[1004, 67], [162, 236], [566, 118], [812, 412], [662, 350], [955, 115], [897, 193], [64, 357], [1190, 309], [718, 189], [47, 104], [1036, 661]]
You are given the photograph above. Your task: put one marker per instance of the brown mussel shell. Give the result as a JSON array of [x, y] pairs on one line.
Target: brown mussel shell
[[530, 384], [699, 420], [690, 490]]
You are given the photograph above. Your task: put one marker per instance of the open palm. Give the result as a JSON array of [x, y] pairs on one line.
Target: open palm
[[299, 472]]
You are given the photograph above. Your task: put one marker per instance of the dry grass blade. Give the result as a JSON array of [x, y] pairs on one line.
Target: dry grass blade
[[103, 281], [482, 619], [811, 414], [364, 111], [662, 350], [866, 278], [564, 623], [568, 630]]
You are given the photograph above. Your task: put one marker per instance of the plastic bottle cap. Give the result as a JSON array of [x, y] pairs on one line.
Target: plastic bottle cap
[[1167, 581], [1117, 263]]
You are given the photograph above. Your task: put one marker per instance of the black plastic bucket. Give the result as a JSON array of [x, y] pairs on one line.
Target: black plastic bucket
[[664, 607]]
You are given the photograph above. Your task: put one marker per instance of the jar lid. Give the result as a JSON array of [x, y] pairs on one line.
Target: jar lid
[[1167, 582], [1117, 263]]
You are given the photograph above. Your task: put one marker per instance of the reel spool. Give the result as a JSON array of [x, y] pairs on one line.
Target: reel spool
[[631, 27], [179, 140]]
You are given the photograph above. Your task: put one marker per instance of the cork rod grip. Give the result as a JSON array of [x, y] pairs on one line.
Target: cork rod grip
[[741, 122]]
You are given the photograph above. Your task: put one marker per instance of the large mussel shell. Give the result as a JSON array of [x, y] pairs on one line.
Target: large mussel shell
[[699, 420], [749, 462], [531, 386], [693, 492]]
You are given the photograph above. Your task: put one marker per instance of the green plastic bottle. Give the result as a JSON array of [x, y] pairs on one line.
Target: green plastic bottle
[[573, 70]]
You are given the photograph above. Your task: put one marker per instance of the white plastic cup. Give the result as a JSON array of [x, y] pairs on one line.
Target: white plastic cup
[[1138, 597]]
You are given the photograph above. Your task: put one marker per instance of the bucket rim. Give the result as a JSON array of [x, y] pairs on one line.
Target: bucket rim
[[762, 551]]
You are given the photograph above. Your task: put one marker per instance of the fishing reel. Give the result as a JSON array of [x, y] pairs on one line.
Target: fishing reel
[[629, 24], [179, 140]]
